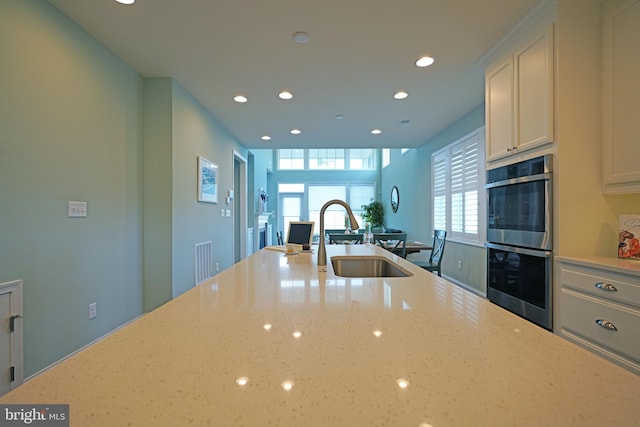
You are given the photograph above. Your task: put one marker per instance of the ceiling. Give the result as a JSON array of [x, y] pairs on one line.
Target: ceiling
[[359, 54]]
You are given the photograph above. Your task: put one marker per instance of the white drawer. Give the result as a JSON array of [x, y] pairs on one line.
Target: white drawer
[[581, 313], [607, 284]]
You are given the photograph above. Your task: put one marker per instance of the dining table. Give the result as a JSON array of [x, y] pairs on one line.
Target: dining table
[[412, 246]]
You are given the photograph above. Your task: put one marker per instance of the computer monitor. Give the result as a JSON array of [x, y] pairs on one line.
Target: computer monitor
[[300, 232]]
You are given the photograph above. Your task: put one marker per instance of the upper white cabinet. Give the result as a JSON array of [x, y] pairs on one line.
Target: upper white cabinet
[[519, 96], [621, 96]]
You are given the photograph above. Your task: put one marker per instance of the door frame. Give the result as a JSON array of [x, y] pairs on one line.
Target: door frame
[[239, 201], [14, 288]]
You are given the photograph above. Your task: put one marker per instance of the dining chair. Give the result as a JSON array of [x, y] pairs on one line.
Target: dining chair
[[337, 238], [394, 242], [435, 259]]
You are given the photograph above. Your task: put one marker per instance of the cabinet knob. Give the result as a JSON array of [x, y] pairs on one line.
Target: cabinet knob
[[606, 324], [606, 287]]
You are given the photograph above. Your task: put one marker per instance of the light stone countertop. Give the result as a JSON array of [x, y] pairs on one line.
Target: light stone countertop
[[616, 265], [467, 361]]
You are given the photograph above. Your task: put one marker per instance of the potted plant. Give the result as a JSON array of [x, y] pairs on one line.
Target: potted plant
[[373, 213]]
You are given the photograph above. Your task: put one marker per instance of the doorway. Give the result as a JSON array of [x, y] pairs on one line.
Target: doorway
[[11, 335], [239, 202]]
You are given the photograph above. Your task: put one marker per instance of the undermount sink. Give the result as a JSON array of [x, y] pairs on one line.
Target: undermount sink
[[367, 266]]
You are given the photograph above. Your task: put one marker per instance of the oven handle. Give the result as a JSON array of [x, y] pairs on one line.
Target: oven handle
[[519, 250], [520, 180]]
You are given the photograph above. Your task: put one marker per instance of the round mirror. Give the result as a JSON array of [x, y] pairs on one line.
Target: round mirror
[[395, 199]]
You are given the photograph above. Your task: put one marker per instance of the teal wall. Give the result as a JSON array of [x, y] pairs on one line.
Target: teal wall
[[411, 173], [197, 133], [77, 123], [70, 129], [158, 212]]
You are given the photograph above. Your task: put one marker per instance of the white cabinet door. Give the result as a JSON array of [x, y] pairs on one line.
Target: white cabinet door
[[621, 96], [534, 92], [519, 96], [499, 110]]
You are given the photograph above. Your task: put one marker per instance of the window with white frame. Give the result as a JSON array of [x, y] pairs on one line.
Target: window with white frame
[[386, 157], [355, 195], [326, 158], [458, 188], [362, 159], [356, 159], [291, 158]]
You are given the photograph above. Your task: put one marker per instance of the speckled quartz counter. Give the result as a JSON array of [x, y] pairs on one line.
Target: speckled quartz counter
[[345, 345]]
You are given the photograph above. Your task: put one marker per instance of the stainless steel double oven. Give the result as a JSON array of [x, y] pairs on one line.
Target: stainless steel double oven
[[519, 238]]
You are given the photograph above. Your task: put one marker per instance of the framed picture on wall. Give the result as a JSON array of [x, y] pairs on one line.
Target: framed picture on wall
[[207, 181]]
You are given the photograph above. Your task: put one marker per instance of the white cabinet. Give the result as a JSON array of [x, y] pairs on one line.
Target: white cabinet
[[599, 309], [621, 92], [519, 97]]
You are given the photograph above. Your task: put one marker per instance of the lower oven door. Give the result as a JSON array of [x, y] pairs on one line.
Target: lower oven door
[[519, 279]]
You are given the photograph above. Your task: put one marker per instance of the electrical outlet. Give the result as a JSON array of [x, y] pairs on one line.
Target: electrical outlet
[[459, 264], [217, 266], [93, 310]]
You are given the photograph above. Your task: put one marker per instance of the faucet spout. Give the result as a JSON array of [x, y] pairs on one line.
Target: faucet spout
[[322, 251]]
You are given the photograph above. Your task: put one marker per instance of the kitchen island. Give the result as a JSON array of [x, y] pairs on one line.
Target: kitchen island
[[273, 342]]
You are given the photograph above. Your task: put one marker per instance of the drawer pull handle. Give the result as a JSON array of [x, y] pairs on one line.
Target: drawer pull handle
[[606, 287], [606, 324]]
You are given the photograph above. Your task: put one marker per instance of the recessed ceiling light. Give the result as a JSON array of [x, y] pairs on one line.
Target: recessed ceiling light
[[240, 98], [300, 37], [376, 131], [400, 94], [285, 94], [126, 1], [425, 61], [242, 381], [339, 116], [296, 131], [265, 138]]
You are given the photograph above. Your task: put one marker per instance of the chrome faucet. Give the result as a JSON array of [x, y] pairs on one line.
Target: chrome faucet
[[322, 251]]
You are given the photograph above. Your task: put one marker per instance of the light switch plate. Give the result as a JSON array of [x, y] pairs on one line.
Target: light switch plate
[[77, 209]]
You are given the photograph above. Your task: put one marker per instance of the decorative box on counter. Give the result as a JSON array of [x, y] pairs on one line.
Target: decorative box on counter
[[629, 237]]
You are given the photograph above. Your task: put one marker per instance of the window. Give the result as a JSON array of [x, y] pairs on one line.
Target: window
[[334, 216], [290, 203], [458, 187], [386, 157], [362, 159], [291, 158], [326, 158], [360, 195]]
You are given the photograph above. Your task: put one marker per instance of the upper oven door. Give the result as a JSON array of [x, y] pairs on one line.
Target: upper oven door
[[519, 211]]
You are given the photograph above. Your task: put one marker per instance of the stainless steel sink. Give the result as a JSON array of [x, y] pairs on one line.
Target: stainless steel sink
[[367, 266]]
